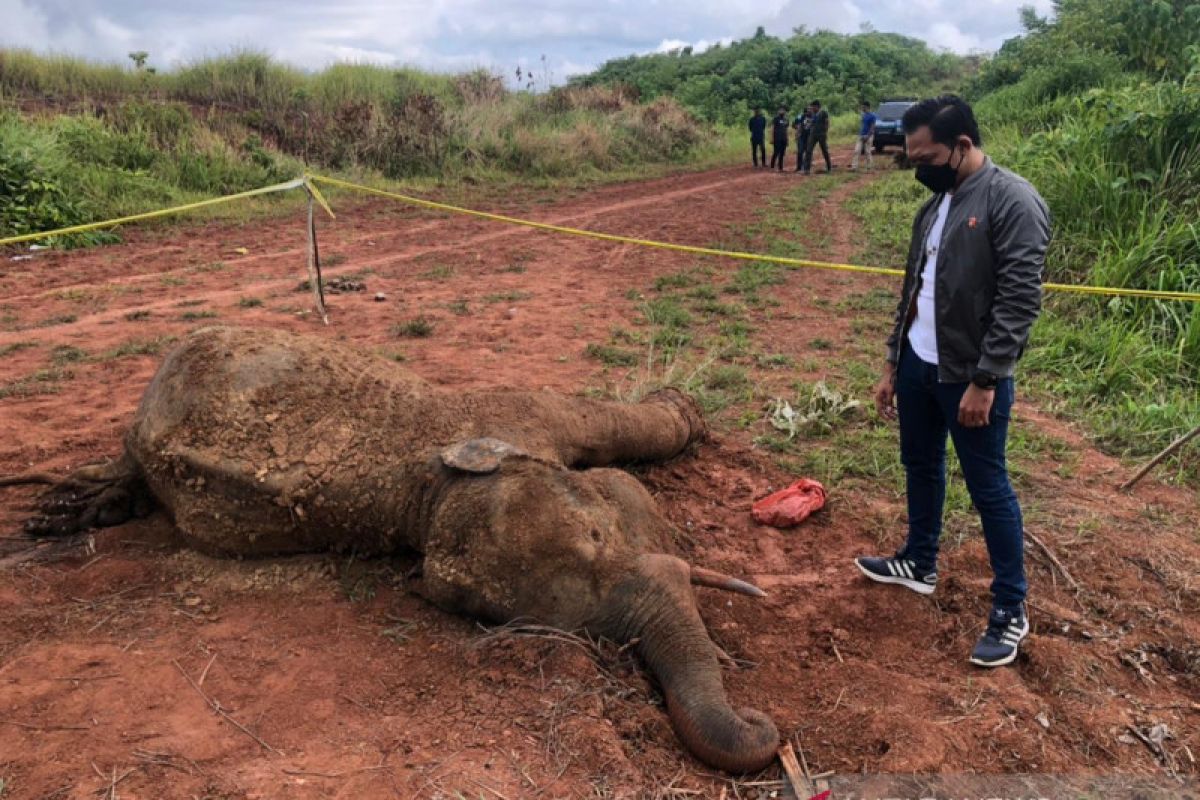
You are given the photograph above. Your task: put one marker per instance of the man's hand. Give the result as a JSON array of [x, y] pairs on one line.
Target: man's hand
[[975, 407], [885, 393]]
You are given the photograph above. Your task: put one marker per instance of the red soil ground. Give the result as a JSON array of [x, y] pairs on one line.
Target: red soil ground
[[345, 684]]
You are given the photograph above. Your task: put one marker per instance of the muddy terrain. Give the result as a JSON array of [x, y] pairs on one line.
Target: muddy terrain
[[132, 666]]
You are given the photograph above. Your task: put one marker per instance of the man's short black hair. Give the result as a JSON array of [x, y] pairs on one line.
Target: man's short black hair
[[948, 118], [866, 103], [816, 103]]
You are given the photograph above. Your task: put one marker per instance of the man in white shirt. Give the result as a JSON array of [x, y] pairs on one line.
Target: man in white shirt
[[972, 290]]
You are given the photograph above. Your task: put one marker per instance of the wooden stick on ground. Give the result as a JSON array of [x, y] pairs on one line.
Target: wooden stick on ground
[[221, 712], [1158, 459], [1054, 560], [314, 265], [800, 784], [207, 666]]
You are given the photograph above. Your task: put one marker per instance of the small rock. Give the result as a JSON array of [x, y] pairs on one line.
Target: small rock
[[1043, 720], [380, 297], [1125, 738], [511, 313]]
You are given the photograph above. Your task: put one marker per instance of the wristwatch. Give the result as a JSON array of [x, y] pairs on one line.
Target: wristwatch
[[985, 380]]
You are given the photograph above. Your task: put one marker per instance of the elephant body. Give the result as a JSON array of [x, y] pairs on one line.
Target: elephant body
[[259, 442]]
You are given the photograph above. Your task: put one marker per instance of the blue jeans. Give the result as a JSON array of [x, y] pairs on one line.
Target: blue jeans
[[928, 411]]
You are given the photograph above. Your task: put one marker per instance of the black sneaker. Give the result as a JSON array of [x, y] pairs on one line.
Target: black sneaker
[[901, 571], [999, 644]]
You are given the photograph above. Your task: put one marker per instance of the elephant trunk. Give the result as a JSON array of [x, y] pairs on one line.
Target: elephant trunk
[[660, 610]]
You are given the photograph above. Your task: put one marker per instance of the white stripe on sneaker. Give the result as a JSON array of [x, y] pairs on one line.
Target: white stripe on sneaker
[[907, 566], [891, 565]]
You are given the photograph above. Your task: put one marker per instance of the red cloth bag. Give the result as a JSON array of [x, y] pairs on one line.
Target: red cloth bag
[[790, 506]]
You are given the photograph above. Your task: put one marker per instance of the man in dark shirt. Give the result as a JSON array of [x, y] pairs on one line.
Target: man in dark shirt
[[818, 135], [758, 137], [972, 290], [779, 138], [802, 124]]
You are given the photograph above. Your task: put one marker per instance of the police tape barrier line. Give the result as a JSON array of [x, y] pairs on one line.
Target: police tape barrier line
[[608, 237], [295, 183], [1150, 294], [308, 182], [312, 189]]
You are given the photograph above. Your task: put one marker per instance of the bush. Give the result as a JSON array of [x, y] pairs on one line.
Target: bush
[[31, 200]]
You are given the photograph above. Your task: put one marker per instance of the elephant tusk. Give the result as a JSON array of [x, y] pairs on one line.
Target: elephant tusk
[[718, 580]]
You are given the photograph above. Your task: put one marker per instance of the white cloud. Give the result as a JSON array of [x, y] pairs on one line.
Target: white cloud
[[574, 35], [668, 45], [24, 25]]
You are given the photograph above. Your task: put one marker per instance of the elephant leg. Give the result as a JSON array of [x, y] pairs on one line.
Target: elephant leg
[[597, 433]]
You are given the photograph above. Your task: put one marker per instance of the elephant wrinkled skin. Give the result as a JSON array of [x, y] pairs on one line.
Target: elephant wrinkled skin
[[259, 442]]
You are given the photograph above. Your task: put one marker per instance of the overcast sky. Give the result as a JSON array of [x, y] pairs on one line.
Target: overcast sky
[[451, 35]]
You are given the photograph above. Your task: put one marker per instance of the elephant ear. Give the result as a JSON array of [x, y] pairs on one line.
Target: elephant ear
[[480, 456]]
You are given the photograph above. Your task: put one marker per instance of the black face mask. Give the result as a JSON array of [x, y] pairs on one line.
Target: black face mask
[[939, 178]]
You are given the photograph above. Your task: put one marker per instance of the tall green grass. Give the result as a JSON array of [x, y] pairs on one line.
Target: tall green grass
[[1119, 166], [400, 122], [86, 141]]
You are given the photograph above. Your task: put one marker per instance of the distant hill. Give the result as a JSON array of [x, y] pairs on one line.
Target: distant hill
[[724, 83]]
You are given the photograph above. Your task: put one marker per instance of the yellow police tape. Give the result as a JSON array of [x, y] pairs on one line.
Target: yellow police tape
[[308, 182], [296, 183], [1152, 294]]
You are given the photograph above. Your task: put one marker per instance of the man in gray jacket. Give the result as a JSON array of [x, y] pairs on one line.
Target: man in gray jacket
[[972, 290]]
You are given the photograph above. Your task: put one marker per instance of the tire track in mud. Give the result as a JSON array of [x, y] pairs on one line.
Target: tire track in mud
[[430, 229]]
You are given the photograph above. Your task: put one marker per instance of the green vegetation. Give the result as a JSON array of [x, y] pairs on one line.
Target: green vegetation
[[15, 347], [417, 328], [513, 296], [611, 356], [724, 83], [128, 140], [1100, 110], [138, 347]]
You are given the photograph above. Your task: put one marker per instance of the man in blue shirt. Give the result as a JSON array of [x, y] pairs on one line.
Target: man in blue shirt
[[758, 137], [866, 138]]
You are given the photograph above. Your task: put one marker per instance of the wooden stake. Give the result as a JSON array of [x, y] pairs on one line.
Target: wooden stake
[[1054, 560], [314, 265], [1158, 459], [800, 784]]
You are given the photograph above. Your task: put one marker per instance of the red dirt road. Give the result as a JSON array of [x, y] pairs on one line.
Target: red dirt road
[[136, 662]]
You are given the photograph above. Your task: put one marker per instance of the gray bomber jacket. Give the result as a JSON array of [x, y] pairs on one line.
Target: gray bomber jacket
[[989, 274]]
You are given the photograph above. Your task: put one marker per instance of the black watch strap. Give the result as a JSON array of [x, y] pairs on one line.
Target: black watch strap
[[985, 380]]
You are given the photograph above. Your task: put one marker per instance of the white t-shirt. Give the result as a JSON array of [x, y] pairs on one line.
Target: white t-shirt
[[923, 333]]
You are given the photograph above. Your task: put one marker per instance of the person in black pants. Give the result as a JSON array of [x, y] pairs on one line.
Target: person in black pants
[[818, 135], [779, 138], [802, 124], [758, 138]]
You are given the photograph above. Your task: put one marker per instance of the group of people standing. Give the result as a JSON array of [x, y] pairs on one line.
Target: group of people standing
[[811, 128]]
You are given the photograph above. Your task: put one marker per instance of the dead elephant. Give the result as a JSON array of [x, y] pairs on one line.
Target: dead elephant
[[260, 442]]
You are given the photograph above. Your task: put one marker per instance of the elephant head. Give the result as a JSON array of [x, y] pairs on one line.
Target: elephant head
[[587, 549]]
